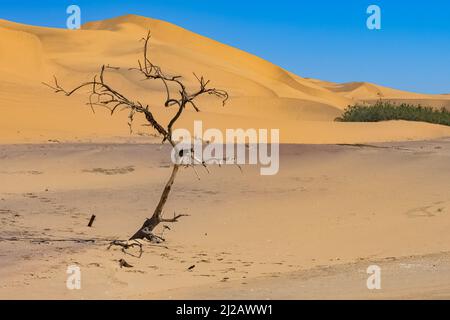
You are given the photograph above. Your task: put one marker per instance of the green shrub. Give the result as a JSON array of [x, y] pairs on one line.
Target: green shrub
[[383, 111]]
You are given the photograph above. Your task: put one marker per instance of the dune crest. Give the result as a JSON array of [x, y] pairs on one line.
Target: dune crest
[[263, 95]]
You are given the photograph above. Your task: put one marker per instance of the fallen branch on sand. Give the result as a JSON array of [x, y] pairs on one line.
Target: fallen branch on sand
[[126, 245]]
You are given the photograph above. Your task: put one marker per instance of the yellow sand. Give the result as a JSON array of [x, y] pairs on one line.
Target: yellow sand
[[263, 95], [309, 231], [328, 205]]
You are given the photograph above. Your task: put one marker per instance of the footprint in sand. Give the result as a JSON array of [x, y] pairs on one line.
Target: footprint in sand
[[427, 211], [45, 200], [203, 261], [30, 195]]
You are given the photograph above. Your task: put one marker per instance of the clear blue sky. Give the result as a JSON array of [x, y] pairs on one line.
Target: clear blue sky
[[321, 39]]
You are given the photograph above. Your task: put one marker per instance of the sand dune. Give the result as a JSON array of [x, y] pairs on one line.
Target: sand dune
[[262, 94], [309, 231], [369, 92]]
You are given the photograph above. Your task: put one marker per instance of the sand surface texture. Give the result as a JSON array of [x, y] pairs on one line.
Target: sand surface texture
[[330, 206]]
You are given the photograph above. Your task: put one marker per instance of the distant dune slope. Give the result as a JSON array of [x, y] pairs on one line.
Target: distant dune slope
[[263, 95]]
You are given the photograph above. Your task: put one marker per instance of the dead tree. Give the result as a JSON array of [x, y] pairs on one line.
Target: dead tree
[[101, 93]]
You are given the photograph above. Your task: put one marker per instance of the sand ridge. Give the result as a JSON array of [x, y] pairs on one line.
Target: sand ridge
[[262, 95]]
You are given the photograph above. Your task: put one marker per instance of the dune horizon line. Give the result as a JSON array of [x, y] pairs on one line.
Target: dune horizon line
[[262, 94]]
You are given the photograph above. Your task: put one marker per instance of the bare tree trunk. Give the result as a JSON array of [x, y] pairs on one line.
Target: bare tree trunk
[[145, 232], [103, 94]]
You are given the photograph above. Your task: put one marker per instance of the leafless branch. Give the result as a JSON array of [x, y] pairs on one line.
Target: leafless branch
[[103, 94]]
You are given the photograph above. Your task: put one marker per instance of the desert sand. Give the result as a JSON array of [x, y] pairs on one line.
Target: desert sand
[[262, 95], [329, 206], [348, 195]]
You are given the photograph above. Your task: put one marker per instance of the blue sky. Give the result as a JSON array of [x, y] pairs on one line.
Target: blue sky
[[328, 40]]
